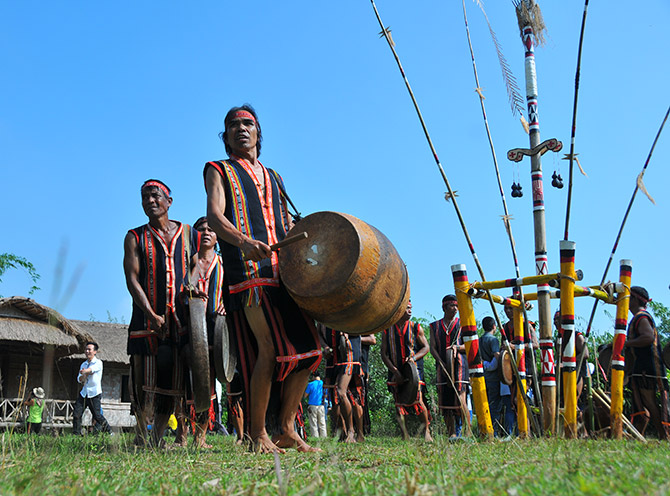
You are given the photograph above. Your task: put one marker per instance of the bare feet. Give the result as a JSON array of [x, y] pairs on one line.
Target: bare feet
[[294, 441], [180, 441], [427, 437], [263, 444], [360, 438], [201, 444], [240, 441], [350, 438]]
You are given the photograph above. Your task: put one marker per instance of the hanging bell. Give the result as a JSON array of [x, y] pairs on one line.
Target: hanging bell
[[554, 180], [519, 191], [559, 181], [514, 194]]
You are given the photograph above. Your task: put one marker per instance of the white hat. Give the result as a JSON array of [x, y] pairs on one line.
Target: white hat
[[38, 392]]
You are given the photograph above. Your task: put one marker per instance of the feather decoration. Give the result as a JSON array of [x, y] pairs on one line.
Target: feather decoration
[[513, 92], [528, 13]]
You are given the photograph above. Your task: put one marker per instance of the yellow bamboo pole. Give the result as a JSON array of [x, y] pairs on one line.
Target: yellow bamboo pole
[[618, 361], [521, 410], [569, 359], [466, 314], [497, 299], [510, 283]]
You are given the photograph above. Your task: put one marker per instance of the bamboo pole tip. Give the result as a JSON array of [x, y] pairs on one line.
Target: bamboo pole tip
[[567, 245], [458, 268]]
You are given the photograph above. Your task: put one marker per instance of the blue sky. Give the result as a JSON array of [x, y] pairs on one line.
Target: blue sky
[[99, 96]]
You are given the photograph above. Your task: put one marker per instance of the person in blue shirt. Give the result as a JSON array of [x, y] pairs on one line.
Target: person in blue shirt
[[489, 347], [90, 375], [315, 408]]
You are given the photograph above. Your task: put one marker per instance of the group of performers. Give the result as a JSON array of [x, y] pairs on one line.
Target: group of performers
[[277, 345]]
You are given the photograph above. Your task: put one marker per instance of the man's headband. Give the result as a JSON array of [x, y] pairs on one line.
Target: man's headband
[[157, 185], [638, 294], [244, 115]]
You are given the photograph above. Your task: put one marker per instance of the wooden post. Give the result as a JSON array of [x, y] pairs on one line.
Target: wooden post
[[618, 361], [466, 314], [521, 410], [569, 358]]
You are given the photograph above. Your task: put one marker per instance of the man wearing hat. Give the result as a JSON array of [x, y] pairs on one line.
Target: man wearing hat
[[649, 374], [35, 406], [90, 375]]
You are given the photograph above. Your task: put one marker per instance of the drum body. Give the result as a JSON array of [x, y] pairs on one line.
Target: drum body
[[505, 368], [346, 275]]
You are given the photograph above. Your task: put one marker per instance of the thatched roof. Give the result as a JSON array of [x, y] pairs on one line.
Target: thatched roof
[[24, 320], [111, 339]]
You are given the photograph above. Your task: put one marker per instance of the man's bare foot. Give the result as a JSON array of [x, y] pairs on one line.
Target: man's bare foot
[[427, 437], [180, 441], [201, 444], [350, 438], [292, 440], [263, 444], [360, 438], [240, 441]]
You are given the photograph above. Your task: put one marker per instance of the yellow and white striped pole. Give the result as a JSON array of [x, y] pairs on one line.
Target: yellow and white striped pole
[[466, 314], [618, 361], [569, 359]]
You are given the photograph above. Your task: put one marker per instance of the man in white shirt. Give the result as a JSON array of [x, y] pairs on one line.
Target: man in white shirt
[[90, 375]]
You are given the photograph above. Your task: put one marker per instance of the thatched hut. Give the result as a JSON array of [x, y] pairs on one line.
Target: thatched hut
[[40, 347]]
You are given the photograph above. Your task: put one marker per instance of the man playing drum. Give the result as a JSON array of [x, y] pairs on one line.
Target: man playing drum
[[344, 378], [277, 342], [446, 345], [649, 374], [398, 345], [156, 261]]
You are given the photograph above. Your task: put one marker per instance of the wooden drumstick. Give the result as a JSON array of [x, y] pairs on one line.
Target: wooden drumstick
[[288, 241]]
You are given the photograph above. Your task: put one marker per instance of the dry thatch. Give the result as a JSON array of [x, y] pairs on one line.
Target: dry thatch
[[111, 339], [24, 320]]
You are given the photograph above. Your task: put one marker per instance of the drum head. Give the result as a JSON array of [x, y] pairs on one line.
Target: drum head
[[666, 355], [409, 389], [199, 355], [506, 369], [225, 359]]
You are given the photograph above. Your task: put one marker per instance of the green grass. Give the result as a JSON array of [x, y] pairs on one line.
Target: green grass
[[44, 465]]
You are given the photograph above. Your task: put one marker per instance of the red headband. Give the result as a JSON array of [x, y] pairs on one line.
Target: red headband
[[157, 185], [244, 114]]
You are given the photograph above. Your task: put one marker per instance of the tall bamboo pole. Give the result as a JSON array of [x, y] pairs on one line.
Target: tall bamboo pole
[[544, 308], [618, 361], [466, 314], [521, 409], [569, 375]]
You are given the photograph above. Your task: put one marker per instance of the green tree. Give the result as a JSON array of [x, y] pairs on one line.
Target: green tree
[[662, 319], [11, 261]]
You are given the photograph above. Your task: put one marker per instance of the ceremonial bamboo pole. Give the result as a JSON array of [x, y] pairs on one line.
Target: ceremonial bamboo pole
[[569, 375], [523, 8], [521, 408], [466, 314], [574, 122], [618, 360]]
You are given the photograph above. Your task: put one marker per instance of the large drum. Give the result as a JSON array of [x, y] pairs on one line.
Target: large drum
[[346, 275]]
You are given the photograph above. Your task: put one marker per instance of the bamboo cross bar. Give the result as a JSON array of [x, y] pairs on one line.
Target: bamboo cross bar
[[618, 361], [510, 302], [510, 283], [602, 397], [469, 331], [579, 291]]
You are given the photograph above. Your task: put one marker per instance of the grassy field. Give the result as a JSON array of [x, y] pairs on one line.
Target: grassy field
[[44, 465]]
